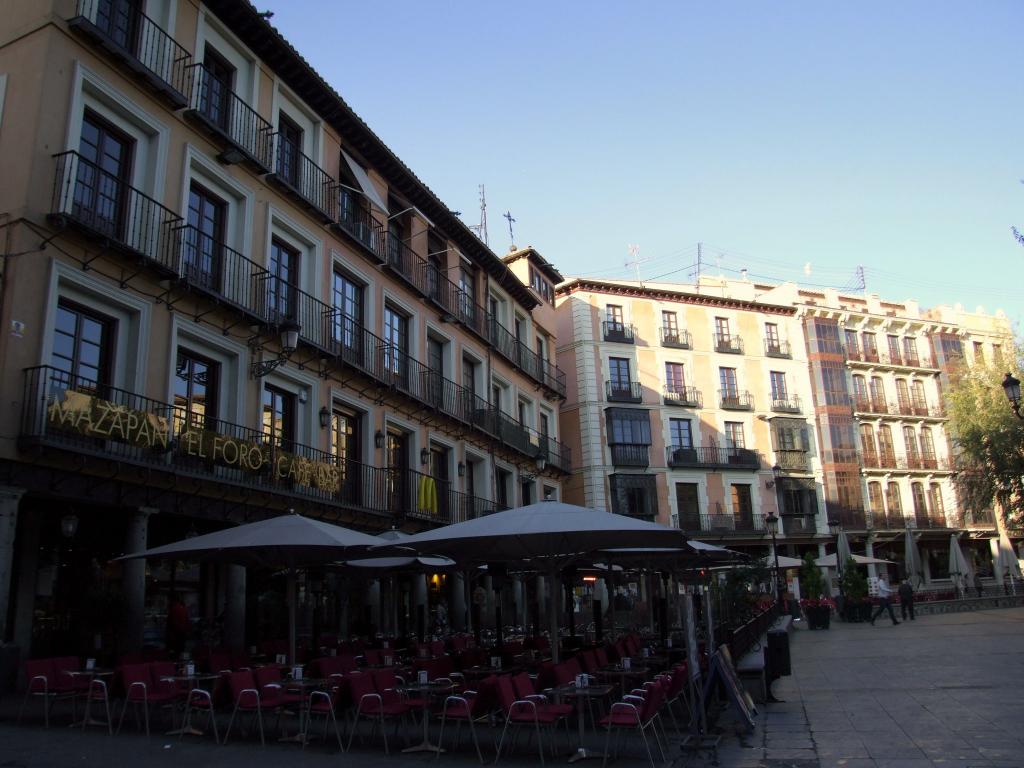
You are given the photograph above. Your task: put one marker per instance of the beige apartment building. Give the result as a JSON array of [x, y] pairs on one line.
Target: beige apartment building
[[690, 408], [224, 297]]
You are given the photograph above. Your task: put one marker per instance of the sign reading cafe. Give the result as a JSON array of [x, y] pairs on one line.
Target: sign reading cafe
[[94, 417]]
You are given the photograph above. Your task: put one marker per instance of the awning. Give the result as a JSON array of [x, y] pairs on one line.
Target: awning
[[364, 182]]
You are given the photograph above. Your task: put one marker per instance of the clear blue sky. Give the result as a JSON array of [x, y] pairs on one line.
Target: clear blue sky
[[881, 134]]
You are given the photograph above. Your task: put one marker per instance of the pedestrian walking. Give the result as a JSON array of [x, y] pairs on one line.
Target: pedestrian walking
[[884, 593], [979, 588], [906, 592]]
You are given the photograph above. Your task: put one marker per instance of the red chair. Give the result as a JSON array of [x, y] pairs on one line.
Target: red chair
[[468, 707], [636, 713], [375, 704], [590, 665], [43, 682], [98, 692], [139, 689], [268, 678], [200, 700], [322, 704], [602, 657], [248, 698], [526, 712], [525, 689]]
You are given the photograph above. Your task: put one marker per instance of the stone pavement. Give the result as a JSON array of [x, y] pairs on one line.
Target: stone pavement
[[945, 691], [942, 692]]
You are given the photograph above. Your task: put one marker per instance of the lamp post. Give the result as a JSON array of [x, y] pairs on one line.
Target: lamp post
[[1011, 386], [771, 522]]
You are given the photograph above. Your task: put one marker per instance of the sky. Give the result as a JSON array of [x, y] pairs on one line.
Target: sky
[[798, 140]]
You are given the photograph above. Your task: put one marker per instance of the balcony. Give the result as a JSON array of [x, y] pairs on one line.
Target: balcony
[[777, 348], [623, 392], [634, 495], [467, 507], [799, 524], [712, 458], [729, 344], [230, 121], [786, 404], [545, 373], [131, 38], [725, 524], [303, 180], [870, 405], [793, 461], [122, 218], [924, 520], [733, 400], [630, 455], [621, 333], [675, 338], [883, 460], [677, 394], [891, 521], [887, 359], [355, 220], [851, 518], [983, 518]]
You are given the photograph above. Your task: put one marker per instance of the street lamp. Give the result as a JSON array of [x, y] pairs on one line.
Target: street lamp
[[1011, 386], [771, 522]]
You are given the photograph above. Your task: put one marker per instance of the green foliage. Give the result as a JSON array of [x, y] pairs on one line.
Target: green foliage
[[988, 439], [855, 583], [812, 585], [739, 592]]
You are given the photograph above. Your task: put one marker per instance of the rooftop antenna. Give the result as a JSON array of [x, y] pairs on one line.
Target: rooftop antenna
[[481, 229], [511, 221], [634, 260]]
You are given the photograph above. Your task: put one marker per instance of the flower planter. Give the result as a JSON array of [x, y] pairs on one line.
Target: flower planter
[[818, 616]]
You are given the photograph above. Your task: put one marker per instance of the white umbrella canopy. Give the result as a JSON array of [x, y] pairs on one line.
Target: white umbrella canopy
[[784, 561], [288, 541], [1007, 563], [912, 559], [400, 562], [842, 548], [829, 561], [959, 568], [548, 535]]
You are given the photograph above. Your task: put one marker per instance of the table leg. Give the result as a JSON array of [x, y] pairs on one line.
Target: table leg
[[582, 753], [425, 745]]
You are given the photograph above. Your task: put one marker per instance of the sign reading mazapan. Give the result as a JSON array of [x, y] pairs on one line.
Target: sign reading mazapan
[[94, 417]]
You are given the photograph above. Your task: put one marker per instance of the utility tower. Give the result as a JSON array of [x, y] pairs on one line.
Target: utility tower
[[481, 229]]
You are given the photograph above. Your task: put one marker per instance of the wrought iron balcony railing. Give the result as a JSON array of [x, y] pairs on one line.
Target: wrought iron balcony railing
[[888, 359], [355, 220], [734, 400], [128, 35], [631, 455], [777, 348], [786, 404], [723, 524], [613, 330], [793, 461], [678, 394], [713, 458], [728, 343], [623, 391], [104, 207], [235, 125], [305, 181], [675, 338]]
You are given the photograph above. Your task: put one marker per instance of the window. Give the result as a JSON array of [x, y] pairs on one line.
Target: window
[[526, 492], [833, 382], [917, 391], [633, 495], [396, 342], [789, 436], [902, 395], [278, 417], [927, 446], [893, 500], [877, 392], [867, 440], [503, 480], [951, 347], [618, 368], [688, 505], [467, 295], [202, 251], [545, 427], [675, 380], [860, 391], [870, 348], [734, 435], [742, 504], [894, 348], [727, 379], [215, 89], [284, 269], [852, 347], [541, 349], [670, 325], [289, 150], [469, 376], [496, 398], [613, 314], [778, 383], [910, 441], [935, 494], [524, 412], [722, 329], [997, 353], [979, 352], [910, 350], [679, 433], [434, 375], [827, 336], [345, 447], [347, 300], [920, 502], [885, 444], [628, 427], [119, 20], [396, 454], [195, 391], [81, 347], [101, 196], [541, 286], [875, 498]]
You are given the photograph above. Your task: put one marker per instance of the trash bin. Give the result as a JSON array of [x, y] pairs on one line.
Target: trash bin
[[778, 663]]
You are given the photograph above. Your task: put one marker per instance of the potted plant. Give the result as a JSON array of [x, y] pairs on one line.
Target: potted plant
[[855, 591], [817, 608]]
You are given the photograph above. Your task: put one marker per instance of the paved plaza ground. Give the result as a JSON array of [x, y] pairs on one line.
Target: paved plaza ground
[[944, 691]]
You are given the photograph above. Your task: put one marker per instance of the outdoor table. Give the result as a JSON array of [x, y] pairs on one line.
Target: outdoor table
[[623, 674], [190, 682], [90, 674], [478, 673], [426, 690], [586, 694]]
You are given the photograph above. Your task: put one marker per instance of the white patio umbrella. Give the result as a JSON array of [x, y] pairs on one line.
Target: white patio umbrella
[[784, 561], [912, 559], [289, 541], [959, 568], [1007, 562], [410, 562], [829, 561], [547, 536], [842, 548]]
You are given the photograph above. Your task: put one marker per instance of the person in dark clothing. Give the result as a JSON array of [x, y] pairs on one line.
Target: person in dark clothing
[[884, 591], [907, 599], [178, 625]]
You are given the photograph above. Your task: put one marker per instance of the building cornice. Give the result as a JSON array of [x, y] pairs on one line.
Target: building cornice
[[581, 284]]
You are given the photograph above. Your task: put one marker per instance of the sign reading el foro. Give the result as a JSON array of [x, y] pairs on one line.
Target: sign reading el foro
[[95, 417]]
